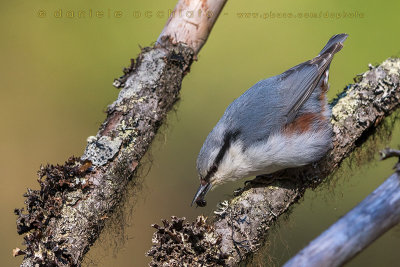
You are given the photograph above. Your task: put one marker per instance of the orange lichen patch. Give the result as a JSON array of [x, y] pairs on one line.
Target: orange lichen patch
[[134, 165], [303, 123], [86, 165]]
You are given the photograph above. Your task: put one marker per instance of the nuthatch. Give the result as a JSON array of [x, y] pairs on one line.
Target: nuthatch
[[281, 122]]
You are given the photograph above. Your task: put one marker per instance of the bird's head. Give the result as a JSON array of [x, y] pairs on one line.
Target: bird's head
[[215, 164]]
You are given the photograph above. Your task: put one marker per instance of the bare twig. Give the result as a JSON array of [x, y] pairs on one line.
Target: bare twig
[[370, 219]]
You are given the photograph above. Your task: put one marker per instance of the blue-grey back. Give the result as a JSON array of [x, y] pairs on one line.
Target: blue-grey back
[[257, 112]]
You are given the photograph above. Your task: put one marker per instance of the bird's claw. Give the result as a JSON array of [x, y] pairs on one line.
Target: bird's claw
[[238, 191], [222, 207]]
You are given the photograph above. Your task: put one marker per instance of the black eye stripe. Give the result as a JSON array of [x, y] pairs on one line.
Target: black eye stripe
[[228, 139]]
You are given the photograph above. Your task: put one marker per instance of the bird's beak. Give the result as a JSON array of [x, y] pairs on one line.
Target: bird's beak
[[201, 192]]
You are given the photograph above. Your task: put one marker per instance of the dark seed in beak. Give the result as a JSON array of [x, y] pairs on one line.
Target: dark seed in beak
[[201, 203]]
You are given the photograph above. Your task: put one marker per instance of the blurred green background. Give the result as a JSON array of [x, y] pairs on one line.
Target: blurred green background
[[56, 76]]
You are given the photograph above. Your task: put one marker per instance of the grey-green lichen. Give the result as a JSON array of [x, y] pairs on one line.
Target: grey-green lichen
[[100, 150], [149, 71], [127, 130], [374, 85], [345, 106], [392, 65]]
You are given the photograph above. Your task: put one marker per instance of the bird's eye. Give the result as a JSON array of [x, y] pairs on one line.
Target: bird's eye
[[213, 168]]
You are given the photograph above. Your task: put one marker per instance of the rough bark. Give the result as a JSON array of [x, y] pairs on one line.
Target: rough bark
[[370, 219], [67, 214], [242, 222]]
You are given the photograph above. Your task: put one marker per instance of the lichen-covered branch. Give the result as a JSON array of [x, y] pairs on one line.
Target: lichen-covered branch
[[65, 217], [243, 221]]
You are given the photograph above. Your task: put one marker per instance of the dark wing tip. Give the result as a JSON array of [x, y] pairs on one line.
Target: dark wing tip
[[334, 44]]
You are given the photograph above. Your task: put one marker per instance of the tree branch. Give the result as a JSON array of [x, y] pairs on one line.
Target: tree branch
[[191, 22], [243, 221], [370, 219], [67, 214]]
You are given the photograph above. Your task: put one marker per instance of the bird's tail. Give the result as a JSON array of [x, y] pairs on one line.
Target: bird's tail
[[334, 44]]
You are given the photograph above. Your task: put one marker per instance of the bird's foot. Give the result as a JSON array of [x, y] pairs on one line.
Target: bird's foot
[[238, 192]]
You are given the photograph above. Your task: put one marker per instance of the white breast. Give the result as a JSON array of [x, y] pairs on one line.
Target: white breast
[[279, 152]]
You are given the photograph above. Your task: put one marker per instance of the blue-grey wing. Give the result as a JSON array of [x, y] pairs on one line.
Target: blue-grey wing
[[257, 112], [272, 103], [299, 82], [275, 102]]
